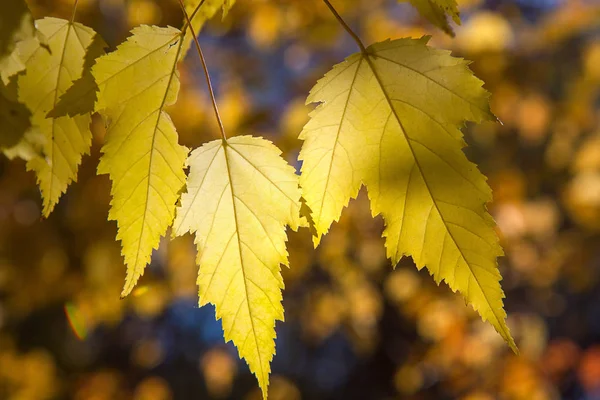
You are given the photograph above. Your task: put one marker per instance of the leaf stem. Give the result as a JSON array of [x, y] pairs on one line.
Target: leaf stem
[[74, 11], [206, 74], [346, 27], [187, 20]]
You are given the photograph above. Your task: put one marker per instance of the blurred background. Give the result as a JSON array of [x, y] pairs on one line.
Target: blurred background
[[355, 327]]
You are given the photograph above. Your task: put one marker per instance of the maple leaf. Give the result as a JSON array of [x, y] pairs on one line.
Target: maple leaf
[[437, 12], [49, 73], [240, 196], [390, 119], [141, 153]]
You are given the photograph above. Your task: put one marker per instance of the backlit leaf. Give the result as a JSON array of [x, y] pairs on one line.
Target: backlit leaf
[[141, 151], [240, 197], [390, 120]]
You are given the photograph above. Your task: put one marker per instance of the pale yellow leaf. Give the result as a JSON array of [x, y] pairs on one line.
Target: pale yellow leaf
[[141, 151], [49, 73], [240, 197], [390, 120]]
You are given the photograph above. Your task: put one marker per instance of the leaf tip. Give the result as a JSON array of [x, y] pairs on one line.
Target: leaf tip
[[130, 282], [506, 335], [316, 239], [125, 292], [47, 209]]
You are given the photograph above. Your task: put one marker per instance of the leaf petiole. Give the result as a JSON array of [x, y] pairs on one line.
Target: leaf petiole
[[346, 27], [74, 11], [187, 20], [206, 74]]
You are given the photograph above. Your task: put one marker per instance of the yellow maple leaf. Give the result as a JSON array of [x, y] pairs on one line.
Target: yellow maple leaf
[[50, 71], [141, 153], [437, 12], [240, 196], [390, 119]]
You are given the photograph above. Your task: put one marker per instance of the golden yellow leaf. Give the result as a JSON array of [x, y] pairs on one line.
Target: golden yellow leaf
[[141, 151], [240, 196], [49, 73], [390, 119]]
